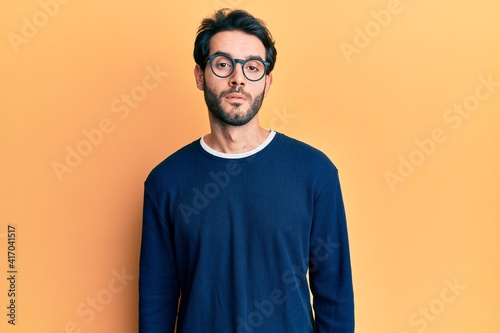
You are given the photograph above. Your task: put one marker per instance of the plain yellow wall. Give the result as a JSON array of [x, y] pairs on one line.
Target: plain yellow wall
[[402, 95]]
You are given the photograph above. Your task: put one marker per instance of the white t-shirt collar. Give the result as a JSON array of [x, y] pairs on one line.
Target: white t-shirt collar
[[263, 145]]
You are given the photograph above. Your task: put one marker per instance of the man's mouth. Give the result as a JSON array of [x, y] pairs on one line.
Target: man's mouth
[[236, 97]]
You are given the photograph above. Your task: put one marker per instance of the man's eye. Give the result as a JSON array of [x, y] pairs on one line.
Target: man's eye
[[223, 65], [253, 68]]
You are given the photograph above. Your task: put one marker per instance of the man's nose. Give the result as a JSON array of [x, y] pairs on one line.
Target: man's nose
[[237, 77]]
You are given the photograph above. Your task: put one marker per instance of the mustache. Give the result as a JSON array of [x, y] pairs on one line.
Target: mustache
[[236, 90]]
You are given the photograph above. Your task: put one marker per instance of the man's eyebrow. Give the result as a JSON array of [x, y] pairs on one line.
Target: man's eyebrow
[[248, 57]]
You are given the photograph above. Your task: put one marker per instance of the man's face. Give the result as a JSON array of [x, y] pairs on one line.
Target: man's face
[[233, 100]]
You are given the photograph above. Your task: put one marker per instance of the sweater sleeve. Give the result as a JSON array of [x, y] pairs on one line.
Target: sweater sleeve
[[330, 266], [158, 282]]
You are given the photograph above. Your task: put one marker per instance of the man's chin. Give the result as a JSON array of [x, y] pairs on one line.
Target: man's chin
[[234, 120], [237, 122]]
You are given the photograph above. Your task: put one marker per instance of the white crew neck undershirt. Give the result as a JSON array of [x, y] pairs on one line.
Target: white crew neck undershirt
[[263, 145]]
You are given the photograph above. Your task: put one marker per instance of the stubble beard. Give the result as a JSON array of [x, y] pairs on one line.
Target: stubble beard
[[235, 116]]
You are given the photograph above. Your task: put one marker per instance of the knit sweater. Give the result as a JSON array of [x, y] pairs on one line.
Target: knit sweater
[[228, 240]]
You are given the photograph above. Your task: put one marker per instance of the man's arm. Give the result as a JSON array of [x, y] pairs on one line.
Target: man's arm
[[158, 282], [330, 266]]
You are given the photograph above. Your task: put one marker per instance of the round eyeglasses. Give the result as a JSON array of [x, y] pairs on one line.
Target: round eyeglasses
[[223, 66]]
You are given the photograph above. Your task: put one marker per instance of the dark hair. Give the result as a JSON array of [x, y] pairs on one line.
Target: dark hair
[[232, 20]]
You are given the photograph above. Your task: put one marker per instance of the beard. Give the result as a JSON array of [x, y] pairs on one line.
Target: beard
[[235, 116]]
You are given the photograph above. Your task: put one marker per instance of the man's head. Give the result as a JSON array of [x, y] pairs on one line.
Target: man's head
[[235, 82], [232, 20]]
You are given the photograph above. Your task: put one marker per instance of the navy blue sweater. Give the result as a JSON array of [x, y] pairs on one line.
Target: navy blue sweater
[[227, 243]]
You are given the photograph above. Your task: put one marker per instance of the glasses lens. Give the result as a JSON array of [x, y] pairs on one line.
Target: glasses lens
[[222, 66], [254, 69]]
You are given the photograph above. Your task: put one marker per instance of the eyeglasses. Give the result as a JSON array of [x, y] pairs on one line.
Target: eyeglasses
[[223, 66]]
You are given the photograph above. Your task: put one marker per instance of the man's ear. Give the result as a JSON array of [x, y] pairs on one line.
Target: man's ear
[[198, 75], [269, 81]]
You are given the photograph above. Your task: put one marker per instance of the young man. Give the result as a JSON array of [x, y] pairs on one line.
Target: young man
[[235, 220]]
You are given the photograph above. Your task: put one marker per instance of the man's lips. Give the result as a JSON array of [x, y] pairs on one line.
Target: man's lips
[[235, 96]]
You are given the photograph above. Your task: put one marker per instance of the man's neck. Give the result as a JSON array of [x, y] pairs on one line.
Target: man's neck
[[235, 139]]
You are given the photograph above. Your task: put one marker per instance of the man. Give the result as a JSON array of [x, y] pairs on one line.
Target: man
[[235, 220]]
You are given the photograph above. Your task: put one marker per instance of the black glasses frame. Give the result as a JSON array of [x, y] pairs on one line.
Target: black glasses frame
[[239, 61]]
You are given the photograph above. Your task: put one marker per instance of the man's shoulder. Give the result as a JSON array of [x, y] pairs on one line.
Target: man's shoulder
[[309, 154], [175, 163]]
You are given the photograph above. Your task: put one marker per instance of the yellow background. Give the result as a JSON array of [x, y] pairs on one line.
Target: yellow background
[[411, 237]]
